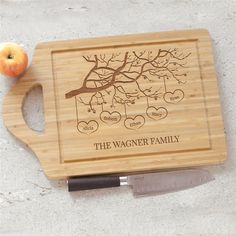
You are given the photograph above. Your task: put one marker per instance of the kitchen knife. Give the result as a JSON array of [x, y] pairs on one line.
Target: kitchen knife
[[145, 184]]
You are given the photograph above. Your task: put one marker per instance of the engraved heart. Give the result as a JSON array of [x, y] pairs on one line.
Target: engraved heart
[[110, 118], [134, 123], [174, 97], [87, 127], [157, 113]]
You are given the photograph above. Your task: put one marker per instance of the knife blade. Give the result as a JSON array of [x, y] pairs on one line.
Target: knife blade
[[166, 182], [145, 184]]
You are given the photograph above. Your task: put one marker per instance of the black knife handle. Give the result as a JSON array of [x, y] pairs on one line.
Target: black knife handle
[[92, 182]]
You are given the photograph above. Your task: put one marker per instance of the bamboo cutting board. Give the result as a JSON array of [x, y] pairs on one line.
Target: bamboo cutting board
[[122, 104]]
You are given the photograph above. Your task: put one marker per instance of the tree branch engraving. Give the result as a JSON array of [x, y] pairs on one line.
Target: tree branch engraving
[[125, 77]]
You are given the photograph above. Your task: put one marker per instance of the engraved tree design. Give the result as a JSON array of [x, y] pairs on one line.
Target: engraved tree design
[[119, 78]]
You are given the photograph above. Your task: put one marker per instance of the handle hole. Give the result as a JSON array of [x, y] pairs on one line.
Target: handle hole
[[33, 110]]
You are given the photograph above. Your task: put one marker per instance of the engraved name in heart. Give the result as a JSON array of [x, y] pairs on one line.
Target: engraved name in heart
[[87, 127], [157, 113], [110, 118], [174, 97], [134, 123]]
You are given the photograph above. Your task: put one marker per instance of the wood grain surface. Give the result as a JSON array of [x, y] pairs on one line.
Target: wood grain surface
[[122, 104]]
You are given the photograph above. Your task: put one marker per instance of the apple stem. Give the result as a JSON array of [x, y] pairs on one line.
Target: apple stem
[[10, 56]]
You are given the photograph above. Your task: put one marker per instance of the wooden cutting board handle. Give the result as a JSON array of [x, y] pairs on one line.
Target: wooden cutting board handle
[[13, 116], [44, 144]]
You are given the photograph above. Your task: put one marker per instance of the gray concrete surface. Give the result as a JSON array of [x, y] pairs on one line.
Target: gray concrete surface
[[30, 204]]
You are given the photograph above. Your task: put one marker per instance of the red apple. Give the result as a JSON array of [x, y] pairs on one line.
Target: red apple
[[13, 59]]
